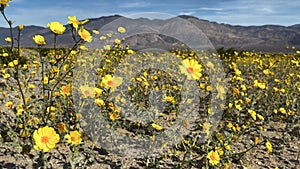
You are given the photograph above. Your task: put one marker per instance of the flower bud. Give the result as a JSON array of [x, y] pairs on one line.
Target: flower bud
[[20, 27]]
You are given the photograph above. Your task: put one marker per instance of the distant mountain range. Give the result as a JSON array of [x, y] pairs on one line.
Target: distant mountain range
[[267, 38]]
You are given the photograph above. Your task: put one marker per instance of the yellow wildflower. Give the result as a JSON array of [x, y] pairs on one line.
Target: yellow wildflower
[[45, 138], [269, 146], [4, 2], [156, 126], [121, 29], [73, 138], [111, 82], [31, 86], [85, 35], [87, 91], [20, 112], [57, 28], [66, 90], [99, 102], [39, 40], [113, 116], [75, 23], [191, 68], [8, 39], [169, 99], [9, 104], [20, 27], [252, 113], [282, 110], [214, 158]]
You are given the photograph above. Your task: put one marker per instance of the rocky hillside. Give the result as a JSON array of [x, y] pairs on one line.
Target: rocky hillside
[[267, 38]]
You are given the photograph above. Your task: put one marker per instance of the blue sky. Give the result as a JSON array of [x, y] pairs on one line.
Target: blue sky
[[235, 12]]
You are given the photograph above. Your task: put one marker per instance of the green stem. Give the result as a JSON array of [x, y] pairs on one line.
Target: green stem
[[10, 29], [18, 43], [20, 87]]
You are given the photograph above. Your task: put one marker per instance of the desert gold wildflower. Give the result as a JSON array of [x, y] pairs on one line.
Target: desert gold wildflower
[[121, 29], [46, 80], [9, 104], [107, 47], [87, 91], [85, 35], [111, 82], [191, 68], [31, 86], [98, 91], [260, 117], [73, 138], [45, 138], [66, 90], [208, 88], [11, 64], [20, 112], [247, 100], [282, 110], [229, 125], [20, 27], [102, 37], [156, 126], [238, 107], [39, 40], [235, 91], [227, 147], [269, 146], [95, 32], [117, 41], [4, 2], [51, 109], [57, 28], [6, 76], [8, 39], [113, 116], [214, 158], [75, 23], [252, 113], [291, 113], [256, 140], [99, 102], [5, 54], [169, 99]]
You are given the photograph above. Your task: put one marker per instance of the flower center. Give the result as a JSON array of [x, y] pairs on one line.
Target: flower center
[[86, 92], [213, 157], [84, 35], [190, 70], [110, 83], [45, 139], [77, 22], [64, 90], [73, 138]]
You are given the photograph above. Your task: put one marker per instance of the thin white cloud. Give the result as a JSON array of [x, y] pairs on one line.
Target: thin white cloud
[[267, 10], [210, 9], [134, 5], [186, 13]]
